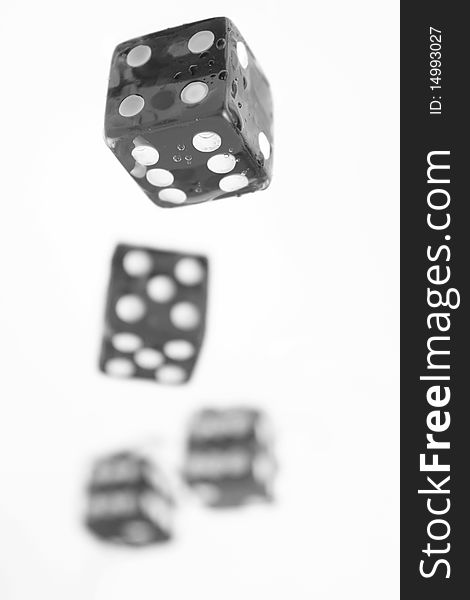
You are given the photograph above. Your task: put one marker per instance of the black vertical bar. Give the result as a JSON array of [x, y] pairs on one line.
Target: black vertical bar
[[435, 121]]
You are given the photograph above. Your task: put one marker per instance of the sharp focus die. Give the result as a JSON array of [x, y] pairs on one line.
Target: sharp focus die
[[189, 114]]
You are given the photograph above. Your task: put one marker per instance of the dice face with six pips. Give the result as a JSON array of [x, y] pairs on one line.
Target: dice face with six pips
[[155, 314], [189, 114], [128, 501], [229, 456]]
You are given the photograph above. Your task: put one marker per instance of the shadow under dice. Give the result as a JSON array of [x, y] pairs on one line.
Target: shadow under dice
[[189, 114], [155, 314], [229, 457], [128, 501]]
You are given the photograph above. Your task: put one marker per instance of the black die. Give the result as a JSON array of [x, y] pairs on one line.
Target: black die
[[155, 314], [229, 456], [129, 501], [189, 114]]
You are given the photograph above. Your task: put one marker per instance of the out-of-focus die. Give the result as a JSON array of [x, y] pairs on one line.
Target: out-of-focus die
[[129, 501], [189, 114], [229, 456], [155, 314]]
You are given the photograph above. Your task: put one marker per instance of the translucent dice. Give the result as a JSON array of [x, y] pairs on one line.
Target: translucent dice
[[155, 314], [229, 456], [189, 114], [128, 501]]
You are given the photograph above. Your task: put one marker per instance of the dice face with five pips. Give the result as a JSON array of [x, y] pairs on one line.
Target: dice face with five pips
[[189, 114], [129, 501], [155, 314]]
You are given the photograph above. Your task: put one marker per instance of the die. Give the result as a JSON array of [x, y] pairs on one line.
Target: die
[[129, 501], [155, 314], [229, 459], [189, 114]]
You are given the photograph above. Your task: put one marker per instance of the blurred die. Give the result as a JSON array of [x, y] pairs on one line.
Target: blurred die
[[155, 314], [229, 458], [129, 501]]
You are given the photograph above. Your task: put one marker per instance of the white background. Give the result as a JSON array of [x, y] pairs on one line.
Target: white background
[[303, 309]]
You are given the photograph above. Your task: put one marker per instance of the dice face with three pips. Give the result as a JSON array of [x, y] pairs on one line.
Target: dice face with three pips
[[129, 501], [189, 114], [155, 314]]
